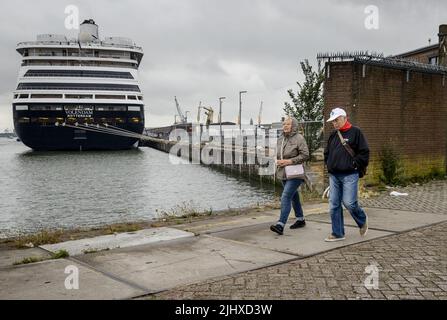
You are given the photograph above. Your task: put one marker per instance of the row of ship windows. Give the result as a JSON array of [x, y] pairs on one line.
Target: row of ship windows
[[79, 63], [60, 108], [73, 120], [77, 86], [77, 53], [77, 96], [79, 73]]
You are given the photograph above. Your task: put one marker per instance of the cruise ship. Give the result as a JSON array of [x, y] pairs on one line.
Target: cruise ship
[[79, 94]]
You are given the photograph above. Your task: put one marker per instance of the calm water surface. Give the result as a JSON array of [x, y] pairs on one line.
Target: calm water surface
[[48, 190]]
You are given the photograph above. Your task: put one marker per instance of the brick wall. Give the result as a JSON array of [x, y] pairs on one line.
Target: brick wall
[[410, 116], [423, 56]]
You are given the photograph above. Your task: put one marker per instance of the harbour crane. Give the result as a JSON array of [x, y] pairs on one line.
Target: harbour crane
[[183, 118], [209, 114]]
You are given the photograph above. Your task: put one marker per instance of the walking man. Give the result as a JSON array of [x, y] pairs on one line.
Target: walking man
[[346, 157]]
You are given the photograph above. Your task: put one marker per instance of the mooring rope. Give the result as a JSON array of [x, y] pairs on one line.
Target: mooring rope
[[106, 129], [96, 129]]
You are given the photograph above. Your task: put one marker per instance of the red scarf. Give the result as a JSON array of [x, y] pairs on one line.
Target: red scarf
[[346, 127]]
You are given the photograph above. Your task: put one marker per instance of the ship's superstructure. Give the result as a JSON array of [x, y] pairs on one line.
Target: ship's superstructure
[[67, 86]]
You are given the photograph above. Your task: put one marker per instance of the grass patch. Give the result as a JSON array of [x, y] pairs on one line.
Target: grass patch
[[183, 211], [57, 255], [41, 238], [434, 174], [92, 250], [393, 173], [123, 227], [29, 260], [60, 254]]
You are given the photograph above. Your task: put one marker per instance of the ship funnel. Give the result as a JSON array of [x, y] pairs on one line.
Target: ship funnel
[[88, 31]]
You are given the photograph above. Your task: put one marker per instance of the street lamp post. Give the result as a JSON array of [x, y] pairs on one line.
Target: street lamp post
[[240, 108], [220, 119]]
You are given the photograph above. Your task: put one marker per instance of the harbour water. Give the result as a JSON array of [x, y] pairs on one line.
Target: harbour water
[[66, 190]]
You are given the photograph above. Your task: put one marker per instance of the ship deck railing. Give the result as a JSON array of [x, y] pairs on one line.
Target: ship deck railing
[[83, 45]]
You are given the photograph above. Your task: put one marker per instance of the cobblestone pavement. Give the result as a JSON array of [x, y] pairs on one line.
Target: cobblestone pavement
[[412, 265], [430, 197]]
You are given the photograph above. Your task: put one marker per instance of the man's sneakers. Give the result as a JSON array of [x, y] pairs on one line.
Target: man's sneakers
[[298, 224], [279, 229], [364, 228], [332, 238], [363, 232]]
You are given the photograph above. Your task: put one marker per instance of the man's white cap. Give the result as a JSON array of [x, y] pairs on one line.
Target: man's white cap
[[335, 113]]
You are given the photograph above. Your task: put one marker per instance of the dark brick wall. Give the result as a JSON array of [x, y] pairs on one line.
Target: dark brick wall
[[411, 116], [423, 57]]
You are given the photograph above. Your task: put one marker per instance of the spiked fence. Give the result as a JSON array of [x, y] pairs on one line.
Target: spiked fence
[[378, 59]]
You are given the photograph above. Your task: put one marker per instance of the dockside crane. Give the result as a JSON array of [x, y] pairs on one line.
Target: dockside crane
[[183, 119], [209, 114]]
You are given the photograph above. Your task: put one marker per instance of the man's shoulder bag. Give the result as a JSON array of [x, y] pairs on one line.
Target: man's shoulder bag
[[361, 170]]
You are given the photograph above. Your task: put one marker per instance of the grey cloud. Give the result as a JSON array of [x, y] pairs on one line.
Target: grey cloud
[[202, 49]]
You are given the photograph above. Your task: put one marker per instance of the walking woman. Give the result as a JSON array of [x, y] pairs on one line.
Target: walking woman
[[292, 150]]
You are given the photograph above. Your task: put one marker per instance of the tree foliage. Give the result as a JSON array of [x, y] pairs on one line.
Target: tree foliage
[[307, 105]]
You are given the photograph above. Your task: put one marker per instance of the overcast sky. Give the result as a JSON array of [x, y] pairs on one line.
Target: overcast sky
[[200, 50]]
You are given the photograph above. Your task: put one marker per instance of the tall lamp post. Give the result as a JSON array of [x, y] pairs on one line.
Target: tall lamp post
[[240, 108], [220, 120]]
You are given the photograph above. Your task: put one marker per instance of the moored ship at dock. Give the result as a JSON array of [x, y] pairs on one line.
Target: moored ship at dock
[[67, 86]]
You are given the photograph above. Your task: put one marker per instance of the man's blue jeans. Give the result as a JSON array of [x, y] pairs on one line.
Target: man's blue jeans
[[290, 197], [344, 189]]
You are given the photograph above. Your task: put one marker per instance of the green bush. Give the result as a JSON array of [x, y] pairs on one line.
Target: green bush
[[436, 174], [390, 163]]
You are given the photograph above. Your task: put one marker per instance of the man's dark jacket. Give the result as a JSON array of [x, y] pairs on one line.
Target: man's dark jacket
[[337, 158]]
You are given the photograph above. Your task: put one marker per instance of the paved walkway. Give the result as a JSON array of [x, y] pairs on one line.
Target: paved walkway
[[240, 258], [430, 197], [412, 265]]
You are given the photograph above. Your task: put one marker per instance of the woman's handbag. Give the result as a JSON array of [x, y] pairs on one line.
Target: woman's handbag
[[293, 171]]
